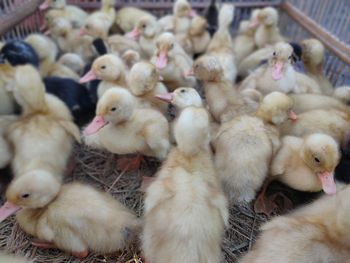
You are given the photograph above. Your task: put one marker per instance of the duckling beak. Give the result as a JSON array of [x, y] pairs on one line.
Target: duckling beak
[[292, 116], [44, 5], [95, 125], [7, 210], [192, 13], [327, 181], [162, 60], [167, 97], [189, 73], [91, 75], [254, 23], [277, 70], [82, 32], [134, 34]]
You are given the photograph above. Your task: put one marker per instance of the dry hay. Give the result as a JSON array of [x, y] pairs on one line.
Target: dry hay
[[98, 168]]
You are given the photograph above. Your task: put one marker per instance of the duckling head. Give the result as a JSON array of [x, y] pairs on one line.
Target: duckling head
[[182, 98], [43, 46], [280, 60], [107, 67], [244, 28], [96, 27], [313, 52], [276, 108], [34, 189], [268, 16], [166, 46], [207, 69], [198, 26], [254, 19], [55, 4], [29, 89], [59, 27], [147, 27], [131, 57], [321, 153], [143, 77], [115, 106], [182, 8]]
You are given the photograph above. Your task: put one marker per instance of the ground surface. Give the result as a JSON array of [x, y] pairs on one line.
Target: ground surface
[[98, 168]]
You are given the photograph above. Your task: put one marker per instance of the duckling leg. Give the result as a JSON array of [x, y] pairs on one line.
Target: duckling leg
[[129, 164]]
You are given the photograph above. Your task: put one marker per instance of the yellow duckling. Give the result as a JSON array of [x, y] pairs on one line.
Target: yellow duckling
[[128, 17], [172, 62], [47, 52], [108, 68], [245, 145], [7, 101], [144, 83], [307, 164], [6, 153], [139, 130], [243, 44], [185, 209], [267, 32], [57, 216], [312, 57], [318, 232], [118, 45], [42, 135]]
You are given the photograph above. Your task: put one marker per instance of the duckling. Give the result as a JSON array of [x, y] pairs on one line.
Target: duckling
[[72, 61], [197, 38], [254, 139], [224, 101], [146, 31], [47, 52], [118, 45], [110, 69], [342, 93], [100, 22], [331, 122], [130, 58], [8, 103], [44, 127], [315, 233], [182, 16], [74, 14], [278, 75], [128, 17], [221, 44], [267, 32], [172, 62], [144, 83], [6, 153], [307, 164], [243, 44], [68, 39], [56, 216], [312, 57], [144, 131], [307, 102], [185, 205]]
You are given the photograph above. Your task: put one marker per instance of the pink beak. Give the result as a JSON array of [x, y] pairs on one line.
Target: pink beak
[[292, 116], [91, 75], [161, 78], [327, 181], [192, 13], [162, 60], [43, 27], [167, 97], [44, 5], [189, 73], [95, 125], [7, 210], [82, 32], [254, 23], [47, 32], [134, 34], [277, 70]]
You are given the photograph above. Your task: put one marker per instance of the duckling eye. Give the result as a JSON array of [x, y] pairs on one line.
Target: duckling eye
[[274, 53], [87, 26], [172, 45], [143, 26], [103, 67], [113, 109], [317, 160], [183, 91], [24, 196]]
